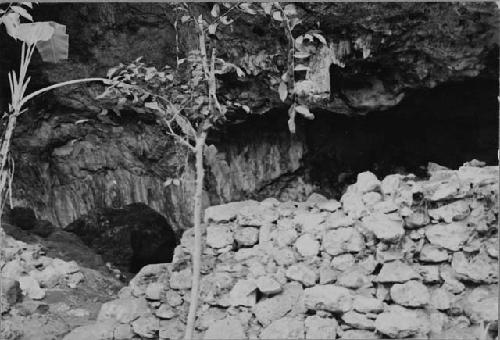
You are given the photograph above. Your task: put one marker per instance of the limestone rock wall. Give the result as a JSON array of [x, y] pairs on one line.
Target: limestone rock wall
[[398, 257], [66, 169]]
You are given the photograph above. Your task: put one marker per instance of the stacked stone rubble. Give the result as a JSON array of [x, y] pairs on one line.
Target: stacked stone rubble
[[395, 258]]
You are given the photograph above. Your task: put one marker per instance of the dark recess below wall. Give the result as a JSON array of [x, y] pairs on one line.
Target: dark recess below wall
[[449, 125]]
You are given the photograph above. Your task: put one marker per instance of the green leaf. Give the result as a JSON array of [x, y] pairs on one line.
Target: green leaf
[[277, 16], [283, 91], [301, 68], [212, 28], [27, 4], [225, 20], [299, 40], [11, 22], [22, 12], [291, 120], [185, 18], [304, 111], [56, 48], [185, 126], [266, 6], [215, 11], [320, 38], [290, 10], [301, 55], [152, 105]]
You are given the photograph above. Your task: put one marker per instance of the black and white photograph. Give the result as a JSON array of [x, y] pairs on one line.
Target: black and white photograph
[[249, 170]]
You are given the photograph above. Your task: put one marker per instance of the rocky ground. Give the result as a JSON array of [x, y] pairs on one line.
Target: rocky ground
[[395, 258], [50, 284]]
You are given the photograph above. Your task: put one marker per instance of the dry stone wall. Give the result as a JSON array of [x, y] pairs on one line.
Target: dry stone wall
[[395, 258]]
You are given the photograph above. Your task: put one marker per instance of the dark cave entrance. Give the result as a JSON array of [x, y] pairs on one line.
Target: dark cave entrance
[[129, 238], [450, 124]]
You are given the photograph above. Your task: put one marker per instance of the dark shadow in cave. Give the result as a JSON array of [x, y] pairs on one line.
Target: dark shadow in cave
[[129, 238], [449, 125]]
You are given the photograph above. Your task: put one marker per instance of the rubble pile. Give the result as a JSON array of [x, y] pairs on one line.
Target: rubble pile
[[44, 297], [398, 257], [26, 271]]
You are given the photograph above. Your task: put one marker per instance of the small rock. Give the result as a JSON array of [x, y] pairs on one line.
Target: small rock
[[257, 215], [158, 273], [30, 288], [284, 328], [246, 236], [284, 256], [315, 199], [307, 246], [243, 293], [445, 190], [367, 181], [385, 207], [365, 304], [357, 334], [171, 329], [401, 323], [124, 310], [411, 293], [74, 279], [328, 297], [267, 285], [11, 292], [173, 298], [371, 198], [330, 205], [12, 269], [430, 253], [448, 213], [352, 203], [450, 236], [430, 274], [390, 184], [480, 269], [343, 240], [440, 299], [303, 274], [78, 312], [101, 330], [285, 234], [320, 328], [481, 304], [338, 220], [146, 326], [154, 291], [327, 275], [165, 311], [437, 323], [219, 236], [225, 212], [312, 223], [396, 271], [357, 320], [353, 278], [342, 262], [181, 279], [383, 227], [416, 219], [228, 328], [273, 308]]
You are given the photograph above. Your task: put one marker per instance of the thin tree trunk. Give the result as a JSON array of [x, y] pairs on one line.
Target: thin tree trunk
[[196, 254]]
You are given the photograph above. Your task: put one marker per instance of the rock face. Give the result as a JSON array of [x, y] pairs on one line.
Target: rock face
[[131, 237], [384, 289], [118, 160]]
